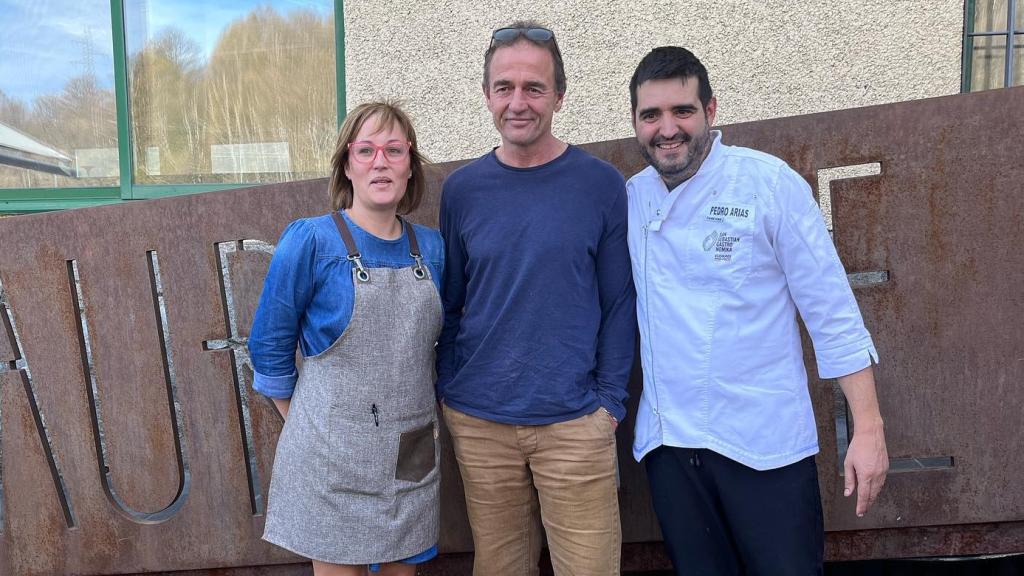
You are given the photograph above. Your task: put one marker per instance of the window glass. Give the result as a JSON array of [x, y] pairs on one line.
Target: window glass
[[58, 118], [988, 62], [1019, 18], [1018, 60], [234, 92], [989, 15]]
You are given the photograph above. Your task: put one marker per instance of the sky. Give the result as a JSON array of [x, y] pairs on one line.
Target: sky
[[44, 43]]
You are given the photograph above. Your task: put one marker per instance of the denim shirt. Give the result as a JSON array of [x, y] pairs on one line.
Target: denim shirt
[[308, 293], [722, 265]]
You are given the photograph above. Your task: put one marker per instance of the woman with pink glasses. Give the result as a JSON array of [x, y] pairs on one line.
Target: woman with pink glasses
[[355, 479]]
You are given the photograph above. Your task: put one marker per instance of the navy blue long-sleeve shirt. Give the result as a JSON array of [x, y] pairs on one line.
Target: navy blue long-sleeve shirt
[[540, 317]]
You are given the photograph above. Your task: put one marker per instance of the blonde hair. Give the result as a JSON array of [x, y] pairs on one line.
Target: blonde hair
[[388, 115]]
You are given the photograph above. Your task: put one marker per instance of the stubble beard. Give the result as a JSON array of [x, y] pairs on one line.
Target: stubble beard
[[676, 173]]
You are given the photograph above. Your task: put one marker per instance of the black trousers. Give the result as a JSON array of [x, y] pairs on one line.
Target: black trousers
[[721, 518]]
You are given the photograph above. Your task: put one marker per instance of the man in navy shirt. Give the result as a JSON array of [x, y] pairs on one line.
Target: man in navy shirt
[[539, 328]]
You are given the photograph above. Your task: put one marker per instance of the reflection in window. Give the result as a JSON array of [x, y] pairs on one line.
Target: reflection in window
[[988, 62], [231, 95], [58, 121], [1018, 58], [993, 44]]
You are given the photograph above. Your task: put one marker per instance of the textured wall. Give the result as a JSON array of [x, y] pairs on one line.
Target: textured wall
[[766, 59]]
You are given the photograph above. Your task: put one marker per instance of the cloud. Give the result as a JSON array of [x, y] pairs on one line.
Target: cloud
[[47, 42], [204, 22]]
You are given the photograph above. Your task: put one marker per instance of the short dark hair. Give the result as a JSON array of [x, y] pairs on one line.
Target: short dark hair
[[388, 115], [549, 45], [666, 63]]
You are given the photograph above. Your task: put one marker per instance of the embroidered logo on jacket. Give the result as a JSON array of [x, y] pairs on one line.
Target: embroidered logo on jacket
[[723, 244], [710, 239]]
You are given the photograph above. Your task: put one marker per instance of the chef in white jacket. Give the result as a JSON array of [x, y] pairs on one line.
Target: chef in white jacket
[[728, 246]]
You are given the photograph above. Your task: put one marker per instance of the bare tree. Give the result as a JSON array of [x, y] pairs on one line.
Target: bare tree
[[269, 79]]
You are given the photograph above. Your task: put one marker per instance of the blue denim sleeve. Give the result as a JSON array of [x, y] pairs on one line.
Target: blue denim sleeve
[[280, 387], [276, 326]]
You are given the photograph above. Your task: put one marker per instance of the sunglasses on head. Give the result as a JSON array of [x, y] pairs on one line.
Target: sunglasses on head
[[505, 35]]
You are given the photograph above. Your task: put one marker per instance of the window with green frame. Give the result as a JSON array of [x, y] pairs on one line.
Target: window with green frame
[[993, 44], [104, 101]]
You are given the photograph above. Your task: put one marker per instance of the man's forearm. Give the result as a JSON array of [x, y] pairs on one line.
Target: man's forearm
[[445, 350], [859, 389], [616, 345], [867, 459]]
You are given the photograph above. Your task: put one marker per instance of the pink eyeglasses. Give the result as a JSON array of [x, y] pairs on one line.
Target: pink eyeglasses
[[366, 152]]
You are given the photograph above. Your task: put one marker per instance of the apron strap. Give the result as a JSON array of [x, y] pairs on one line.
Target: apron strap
[[419, 270], [350, 244]]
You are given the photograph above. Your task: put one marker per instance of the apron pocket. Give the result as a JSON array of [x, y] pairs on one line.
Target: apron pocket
[[363, 462], [416, 454]]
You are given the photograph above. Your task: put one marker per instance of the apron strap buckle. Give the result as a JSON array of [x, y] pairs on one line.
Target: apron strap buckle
[[420, 269], [361, 274]]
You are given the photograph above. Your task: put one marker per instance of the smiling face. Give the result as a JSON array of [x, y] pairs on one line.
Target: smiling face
[[673, 128], [521, 94], [381, 183]]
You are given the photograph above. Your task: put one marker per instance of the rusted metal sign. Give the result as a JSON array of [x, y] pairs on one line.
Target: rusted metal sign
[[132, 442]]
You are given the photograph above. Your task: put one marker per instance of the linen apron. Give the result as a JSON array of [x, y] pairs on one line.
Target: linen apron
[[356, 473]]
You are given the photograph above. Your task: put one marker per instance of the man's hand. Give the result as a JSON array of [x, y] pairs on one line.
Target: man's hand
[[867, 460], [615, 422]]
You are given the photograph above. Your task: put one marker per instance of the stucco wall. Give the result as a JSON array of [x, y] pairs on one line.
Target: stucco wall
[[765, 59]]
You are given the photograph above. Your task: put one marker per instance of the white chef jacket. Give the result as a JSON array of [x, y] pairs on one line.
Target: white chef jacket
[[722, 264]]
